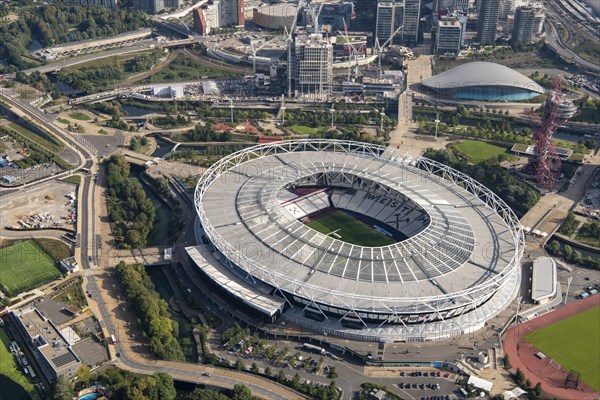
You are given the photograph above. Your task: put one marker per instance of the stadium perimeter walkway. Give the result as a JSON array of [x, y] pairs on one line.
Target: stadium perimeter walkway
[[522, 353]]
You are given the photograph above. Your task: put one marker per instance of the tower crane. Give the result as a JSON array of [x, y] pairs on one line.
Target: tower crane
[[379, 48]]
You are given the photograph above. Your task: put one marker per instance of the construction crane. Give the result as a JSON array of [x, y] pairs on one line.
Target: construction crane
[[353, 52], [289, 38], [379, 48]]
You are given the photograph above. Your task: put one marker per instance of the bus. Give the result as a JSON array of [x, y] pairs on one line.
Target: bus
[[113, 339]]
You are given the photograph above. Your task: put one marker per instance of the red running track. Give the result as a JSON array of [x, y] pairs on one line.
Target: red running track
[[550, 374]]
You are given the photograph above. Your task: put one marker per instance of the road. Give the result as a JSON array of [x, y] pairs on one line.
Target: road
[[553, 40], [179, 370]]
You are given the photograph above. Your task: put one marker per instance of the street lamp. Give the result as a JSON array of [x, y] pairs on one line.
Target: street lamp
[[437, 121], [332, 111], [569, 280], [231, 109]]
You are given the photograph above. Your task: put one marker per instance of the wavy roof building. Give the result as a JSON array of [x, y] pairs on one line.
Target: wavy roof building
[[483, 81]]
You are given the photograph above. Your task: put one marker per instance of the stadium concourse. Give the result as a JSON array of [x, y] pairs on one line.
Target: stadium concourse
[[439, 256]]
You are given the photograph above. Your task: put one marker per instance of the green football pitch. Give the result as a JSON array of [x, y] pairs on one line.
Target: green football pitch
[[574, 343], [350, 230], [24, 266]]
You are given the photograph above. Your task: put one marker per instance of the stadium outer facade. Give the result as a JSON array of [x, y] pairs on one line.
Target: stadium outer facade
[[458, 268]]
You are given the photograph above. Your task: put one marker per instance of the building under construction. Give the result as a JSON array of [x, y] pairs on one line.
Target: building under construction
[[311, 58]]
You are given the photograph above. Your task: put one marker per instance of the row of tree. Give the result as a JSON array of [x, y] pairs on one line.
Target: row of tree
[[131, 211], [555, 248], [207, 133], [125, 385], [569, 224], [152, 311], [516, 193]]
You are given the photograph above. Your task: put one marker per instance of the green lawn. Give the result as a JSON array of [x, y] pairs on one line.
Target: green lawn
[[303, 130], [24, 266], [350, 230], [574, 343], [480, 151], [79, 116], [8, 368], [184, 69]]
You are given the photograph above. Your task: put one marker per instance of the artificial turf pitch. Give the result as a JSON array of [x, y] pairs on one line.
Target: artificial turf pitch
[[24, 266], [350, 230], [574, 343]]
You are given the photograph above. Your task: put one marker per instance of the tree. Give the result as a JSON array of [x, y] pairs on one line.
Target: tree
[[268, 372], [507, 362], [332, 373], [254, 368], [83, 375], [239, 365], [241, 392], [538, 389], [296, 381], [63, 389], [281, 378]]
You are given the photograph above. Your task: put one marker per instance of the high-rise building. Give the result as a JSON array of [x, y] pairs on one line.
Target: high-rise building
[[231, 13], [524, 23], [311, 67], [100, 3], [172, 3], [412, 16], [150, 6], [449, 36], [507, 7], [393, 14], [538, 22], [390, 16], [488, 21], [206, 17], [366, 15]]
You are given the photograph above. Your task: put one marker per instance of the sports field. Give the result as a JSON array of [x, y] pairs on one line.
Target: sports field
[[479, 151], [574, 343], [350, 230], [24, 266]]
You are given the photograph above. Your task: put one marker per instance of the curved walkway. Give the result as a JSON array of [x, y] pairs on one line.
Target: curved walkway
[[522, 353]]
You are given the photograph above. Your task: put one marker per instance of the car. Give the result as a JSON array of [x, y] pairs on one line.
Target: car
[[118, 354], [205, 374]]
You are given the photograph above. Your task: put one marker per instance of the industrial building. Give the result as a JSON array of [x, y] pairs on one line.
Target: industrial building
[[276, 16], [430, 284], [543, 280], [523, 28], [483, 81], [311, 65], [487, 23], [449, 36], [51, 349]]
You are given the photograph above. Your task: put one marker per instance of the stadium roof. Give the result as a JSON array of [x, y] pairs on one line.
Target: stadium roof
[[242, 216], [481, 73]]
